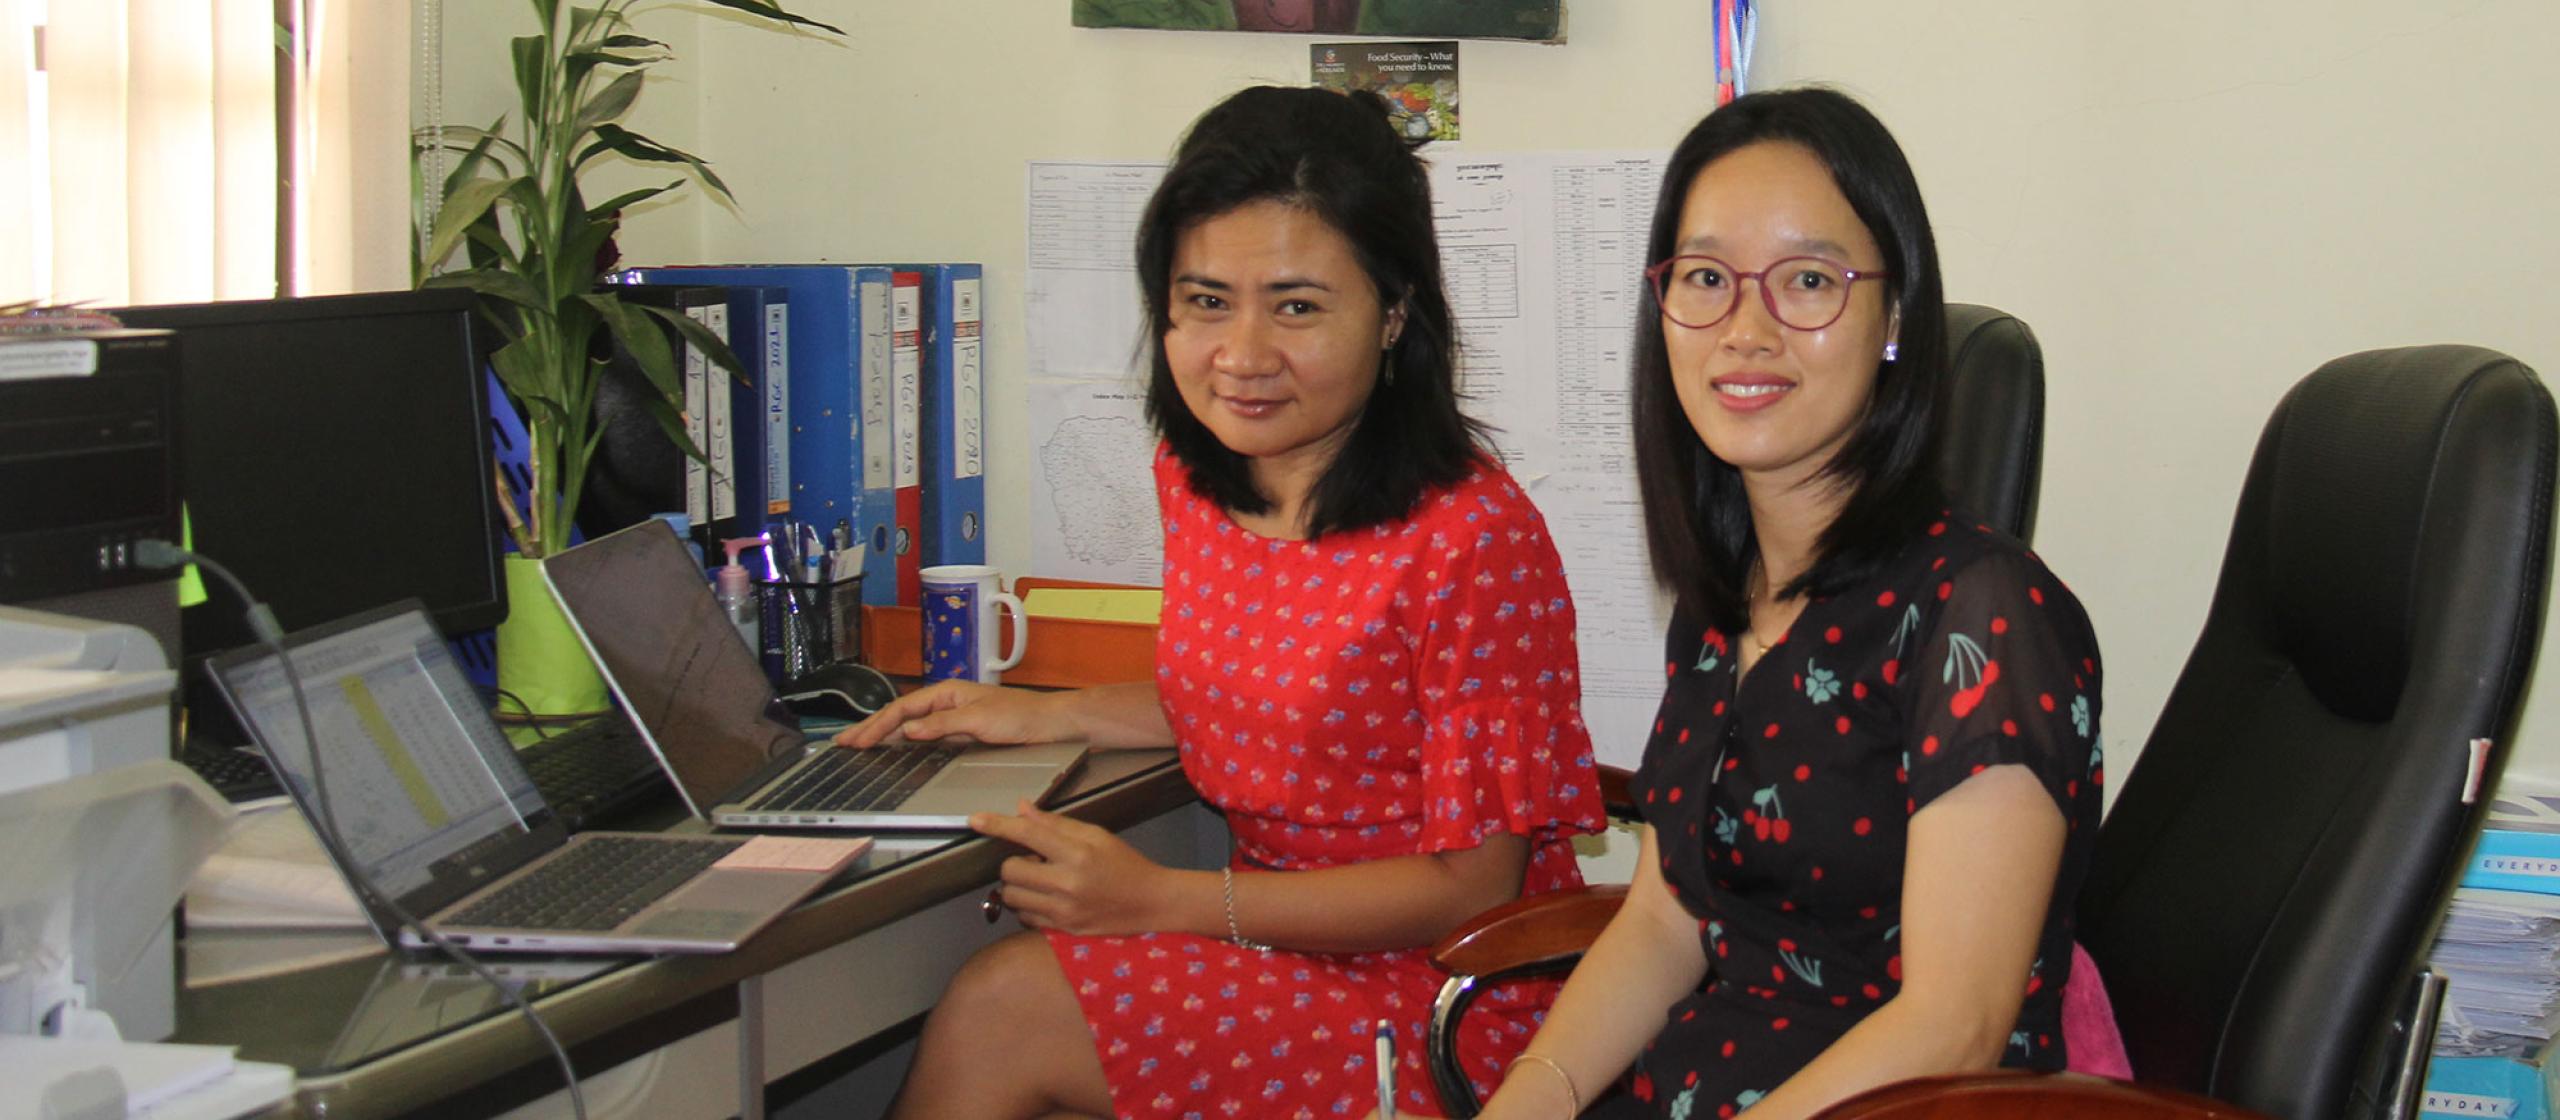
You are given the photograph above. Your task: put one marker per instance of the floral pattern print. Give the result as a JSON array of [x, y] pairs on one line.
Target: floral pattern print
[[1781, 802], [1380, 692]]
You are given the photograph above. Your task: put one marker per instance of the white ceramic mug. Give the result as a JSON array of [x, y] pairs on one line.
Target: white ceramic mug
[[960, 602]]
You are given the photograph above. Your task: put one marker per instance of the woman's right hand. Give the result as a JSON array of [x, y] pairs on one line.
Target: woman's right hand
[[987, 713]]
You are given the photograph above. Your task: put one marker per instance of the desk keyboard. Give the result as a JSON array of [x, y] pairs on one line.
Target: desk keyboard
[[589, 771], [596, 885]]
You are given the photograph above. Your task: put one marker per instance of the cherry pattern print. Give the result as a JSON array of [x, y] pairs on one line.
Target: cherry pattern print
[[1379, 692], [1781, 802]]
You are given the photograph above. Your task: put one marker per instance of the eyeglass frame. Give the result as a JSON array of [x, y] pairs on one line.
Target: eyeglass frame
[[1655, 274]]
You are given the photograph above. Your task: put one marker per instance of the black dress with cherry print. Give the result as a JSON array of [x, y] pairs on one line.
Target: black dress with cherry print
[[1781, 807]]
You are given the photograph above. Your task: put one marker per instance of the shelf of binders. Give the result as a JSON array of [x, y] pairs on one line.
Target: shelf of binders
[[1064, 652]]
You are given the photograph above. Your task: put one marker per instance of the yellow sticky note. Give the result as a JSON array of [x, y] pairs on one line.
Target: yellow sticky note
[[1139, 605]]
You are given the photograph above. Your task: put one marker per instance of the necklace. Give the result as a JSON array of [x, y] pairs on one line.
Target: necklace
[[1752, 594]]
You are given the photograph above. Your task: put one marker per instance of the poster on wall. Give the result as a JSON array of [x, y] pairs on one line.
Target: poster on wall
[[1540, 20], [1418, 80]]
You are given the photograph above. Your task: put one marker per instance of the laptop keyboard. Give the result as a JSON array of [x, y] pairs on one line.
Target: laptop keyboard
[[849, 781], [596, 885], [592, 769]]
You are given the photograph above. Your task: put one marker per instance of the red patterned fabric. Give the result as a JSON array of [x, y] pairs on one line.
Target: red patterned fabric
[[1382, 692]]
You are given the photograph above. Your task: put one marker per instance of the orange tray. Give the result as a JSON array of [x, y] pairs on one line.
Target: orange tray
[[1064, 653]]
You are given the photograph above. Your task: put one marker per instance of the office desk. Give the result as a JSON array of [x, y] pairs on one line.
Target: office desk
[[384, 1035]]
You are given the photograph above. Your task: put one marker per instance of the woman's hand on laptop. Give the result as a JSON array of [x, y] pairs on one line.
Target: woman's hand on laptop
[[987, 713]]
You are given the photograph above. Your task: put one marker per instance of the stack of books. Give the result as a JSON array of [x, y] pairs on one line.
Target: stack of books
[[2499, 952]]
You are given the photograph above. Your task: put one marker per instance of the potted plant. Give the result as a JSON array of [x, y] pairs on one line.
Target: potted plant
[[534, 249]]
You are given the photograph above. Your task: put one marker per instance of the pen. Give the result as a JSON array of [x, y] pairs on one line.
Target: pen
[[1386, 1032], [814, 557]]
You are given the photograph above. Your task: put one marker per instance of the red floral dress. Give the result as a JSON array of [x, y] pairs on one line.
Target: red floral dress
[[1781, 803], [1380, 692]]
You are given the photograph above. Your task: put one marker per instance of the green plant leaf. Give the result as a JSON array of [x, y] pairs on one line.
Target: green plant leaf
[[488, 245], [772, 11], [612, 101], [462, 208], [633, 42], [493, 283], [632, 145], [530, 52], [704, 339], [641, 338], [627, 199], [519, 367]]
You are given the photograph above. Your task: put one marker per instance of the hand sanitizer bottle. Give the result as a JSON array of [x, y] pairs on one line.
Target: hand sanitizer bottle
[[736, 593]]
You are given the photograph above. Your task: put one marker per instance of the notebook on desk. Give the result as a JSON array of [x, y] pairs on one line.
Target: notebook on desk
[[702, 702], [435, 811]]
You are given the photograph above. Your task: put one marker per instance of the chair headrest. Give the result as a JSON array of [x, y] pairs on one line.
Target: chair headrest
[[2339, 573], [1991, 445]]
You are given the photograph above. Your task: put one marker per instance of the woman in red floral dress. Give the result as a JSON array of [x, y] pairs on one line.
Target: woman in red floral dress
[[1366, 659]]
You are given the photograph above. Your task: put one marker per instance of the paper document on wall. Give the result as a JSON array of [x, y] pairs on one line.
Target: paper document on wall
[[1081, 305], [1543, 255], [1093, 484]]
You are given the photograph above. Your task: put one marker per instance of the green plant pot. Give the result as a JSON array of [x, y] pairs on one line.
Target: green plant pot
[[539, 659]]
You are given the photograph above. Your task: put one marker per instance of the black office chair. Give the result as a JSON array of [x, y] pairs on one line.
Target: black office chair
[[1990, 452], [2268, 880], [1991, 437]]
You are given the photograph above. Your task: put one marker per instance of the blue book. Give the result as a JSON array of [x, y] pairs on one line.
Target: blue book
[[2517, 1087], [839, 330], [2519, 845], [955, 415]]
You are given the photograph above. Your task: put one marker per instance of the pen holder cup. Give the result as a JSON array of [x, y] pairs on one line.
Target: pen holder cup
[[808, 624]]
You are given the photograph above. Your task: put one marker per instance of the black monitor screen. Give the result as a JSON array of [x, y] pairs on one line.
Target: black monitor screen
[[334, 452]]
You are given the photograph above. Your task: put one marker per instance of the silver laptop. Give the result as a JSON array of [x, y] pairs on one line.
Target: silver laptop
[[433, 810], [645, 612]]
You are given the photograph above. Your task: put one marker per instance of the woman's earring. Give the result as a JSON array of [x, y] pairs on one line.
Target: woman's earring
[[1892, 350]]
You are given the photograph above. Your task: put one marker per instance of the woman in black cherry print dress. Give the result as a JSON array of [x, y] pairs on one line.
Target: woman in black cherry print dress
[[1871, 791]]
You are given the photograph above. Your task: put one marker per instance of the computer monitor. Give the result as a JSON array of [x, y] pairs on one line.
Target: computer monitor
[[334, 452]]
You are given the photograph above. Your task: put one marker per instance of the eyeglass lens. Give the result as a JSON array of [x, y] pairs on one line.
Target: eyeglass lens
[[1806, 293]]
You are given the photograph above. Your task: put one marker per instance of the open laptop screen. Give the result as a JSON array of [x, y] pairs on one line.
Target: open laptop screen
[[417, 770], [688, 682]]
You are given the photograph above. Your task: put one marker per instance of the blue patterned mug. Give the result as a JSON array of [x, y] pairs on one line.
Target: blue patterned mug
[[960, 602]]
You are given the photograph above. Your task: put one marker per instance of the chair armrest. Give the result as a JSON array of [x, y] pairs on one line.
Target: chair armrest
[[1529, 931], [2020, 1095]]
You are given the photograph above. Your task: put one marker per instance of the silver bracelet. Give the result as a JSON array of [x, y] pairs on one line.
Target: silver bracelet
[[1227, 883], [1572, 1098]]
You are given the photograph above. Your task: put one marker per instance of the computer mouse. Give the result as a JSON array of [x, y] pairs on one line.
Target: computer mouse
[[847, 690]]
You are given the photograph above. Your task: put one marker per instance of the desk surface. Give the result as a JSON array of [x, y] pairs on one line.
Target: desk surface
[[378, 1034]]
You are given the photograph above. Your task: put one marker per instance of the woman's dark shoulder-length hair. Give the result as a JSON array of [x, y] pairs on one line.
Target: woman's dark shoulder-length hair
[[1333, 156], [1697, 519]]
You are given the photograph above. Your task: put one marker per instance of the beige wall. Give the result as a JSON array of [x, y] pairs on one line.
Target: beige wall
[[2194, 203]]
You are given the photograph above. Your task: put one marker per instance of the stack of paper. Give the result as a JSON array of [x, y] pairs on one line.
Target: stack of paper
[[2500, 955]]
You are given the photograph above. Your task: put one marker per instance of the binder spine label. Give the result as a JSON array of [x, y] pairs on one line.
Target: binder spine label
[[968, 411], [877, 423], [697, 416], [907, 370], [723, 449], [777, 409]]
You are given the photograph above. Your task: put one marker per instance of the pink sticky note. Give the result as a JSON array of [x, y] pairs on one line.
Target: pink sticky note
[[795, 853]]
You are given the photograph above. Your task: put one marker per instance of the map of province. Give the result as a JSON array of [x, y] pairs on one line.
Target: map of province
[[1102, 492]]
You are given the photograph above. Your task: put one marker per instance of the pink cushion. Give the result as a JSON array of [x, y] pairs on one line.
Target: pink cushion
[[2089, 1022]]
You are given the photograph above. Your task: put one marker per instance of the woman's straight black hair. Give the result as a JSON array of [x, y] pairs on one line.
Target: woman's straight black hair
[[1335, 157], [1697, 518]]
